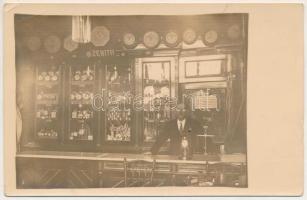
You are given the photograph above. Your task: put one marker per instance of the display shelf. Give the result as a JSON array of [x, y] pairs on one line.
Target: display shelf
[[47, 102], [83, 102], [47, 83], [82, 83]]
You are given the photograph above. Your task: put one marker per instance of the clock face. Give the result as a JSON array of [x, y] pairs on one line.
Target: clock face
[[151, 39], [52, 44], [210, 37], [171, 39], [234, 32], [189, 36], [34, 43], [69, 44], [129, 39], [100, 36]]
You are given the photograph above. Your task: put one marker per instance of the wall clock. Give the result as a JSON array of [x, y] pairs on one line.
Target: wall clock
[[151, 39], [52, 44], [69, 44], [171, 39], [189, 36], [129, 40], [33, 43], [100, 36], [210, 37], [234, 32]]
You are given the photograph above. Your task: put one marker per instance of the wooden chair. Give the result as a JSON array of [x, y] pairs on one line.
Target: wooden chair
[[137, 173]]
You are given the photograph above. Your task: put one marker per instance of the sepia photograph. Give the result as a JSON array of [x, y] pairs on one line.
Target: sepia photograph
[[123, 99], [131, 101]]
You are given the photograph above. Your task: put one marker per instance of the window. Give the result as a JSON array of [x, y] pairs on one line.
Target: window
[[203, 68]]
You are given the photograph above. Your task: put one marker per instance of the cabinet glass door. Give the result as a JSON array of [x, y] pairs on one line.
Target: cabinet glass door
[[119, 91], [156, 94], [81, 126], [48, 124], [158, 90]]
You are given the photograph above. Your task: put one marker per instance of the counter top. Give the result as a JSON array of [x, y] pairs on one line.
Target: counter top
[[197, 158]]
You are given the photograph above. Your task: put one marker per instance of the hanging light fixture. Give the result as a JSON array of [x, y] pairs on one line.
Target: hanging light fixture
[[81, 29]]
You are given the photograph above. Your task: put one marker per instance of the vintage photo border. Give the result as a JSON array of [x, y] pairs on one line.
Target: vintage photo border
[[275, 160]]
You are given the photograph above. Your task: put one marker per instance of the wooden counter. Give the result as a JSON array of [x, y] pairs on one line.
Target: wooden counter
[[82, 169], [197, 159]]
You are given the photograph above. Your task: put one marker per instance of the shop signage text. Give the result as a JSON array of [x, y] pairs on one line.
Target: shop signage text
[[104, 53]]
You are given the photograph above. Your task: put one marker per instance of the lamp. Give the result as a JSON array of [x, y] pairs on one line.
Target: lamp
[[81, 29]]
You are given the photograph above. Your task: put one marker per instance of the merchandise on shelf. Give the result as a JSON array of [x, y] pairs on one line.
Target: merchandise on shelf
[[47, 133], [46, 96], [48, 76], [81, 133], [81, 95], [83, 75], [46, 113], [81, 113], [119, 133]]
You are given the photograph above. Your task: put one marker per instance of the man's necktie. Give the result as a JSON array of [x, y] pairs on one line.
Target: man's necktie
[[180, 127]]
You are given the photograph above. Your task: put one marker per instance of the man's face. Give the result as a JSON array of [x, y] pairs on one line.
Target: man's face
[[181, 113]]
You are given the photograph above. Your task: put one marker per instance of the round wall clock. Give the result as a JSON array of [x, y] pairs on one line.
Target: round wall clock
[[100, 36], [52, 44], [171, 39], [69, 44], [129, 40], [151, 39], [234, 32], [33, 43], [189, 36], [210, 37]]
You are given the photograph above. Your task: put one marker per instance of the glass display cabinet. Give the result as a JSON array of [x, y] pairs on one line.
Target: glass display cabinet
[[157, 89], [205, 89]]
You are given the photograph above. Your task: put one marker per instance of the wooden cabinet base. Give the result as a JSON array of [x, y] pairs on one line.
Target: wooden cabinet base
[[42, 171]]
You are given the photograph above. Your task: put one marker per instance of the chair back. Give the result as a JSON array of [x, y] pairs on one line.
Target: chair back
[[139, 172]]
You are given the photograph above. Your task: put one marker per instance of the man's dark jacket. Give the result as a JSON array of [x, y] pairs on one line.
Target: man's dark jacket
[[170, 131]]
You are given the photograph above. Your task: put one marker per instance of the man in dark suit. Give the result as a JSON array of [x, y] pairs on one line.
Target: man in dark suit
[[175, 129]]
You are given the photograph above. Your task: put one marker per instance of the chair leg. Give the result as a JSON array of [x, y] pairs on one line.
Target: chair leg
[[146, 183], [161, 183], [125, 172], [117, 184], [131, 184]]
